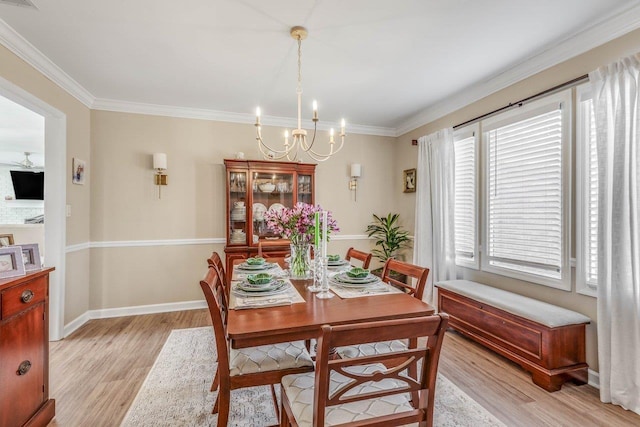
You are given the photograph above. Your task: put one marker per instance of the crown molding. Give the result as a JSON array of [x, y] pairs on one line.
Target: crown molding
[[223, 116], [620, 23], [32, 56]]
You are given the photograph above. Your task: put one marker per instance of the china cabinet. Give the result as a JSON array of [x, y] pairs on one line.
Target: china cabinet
[[255, 187], [24, 350]]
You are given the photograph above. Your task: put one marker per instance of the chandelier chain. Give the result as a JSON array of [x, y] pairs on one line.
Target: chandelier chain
[[299, 89]]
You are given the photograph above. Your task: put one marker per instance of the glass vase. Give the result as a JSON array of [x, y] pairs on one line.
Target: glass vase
[[300, 263]]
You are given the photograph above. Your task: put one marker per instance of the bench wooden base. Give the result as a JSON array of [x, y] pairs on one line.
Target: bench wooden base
[[552, 355]]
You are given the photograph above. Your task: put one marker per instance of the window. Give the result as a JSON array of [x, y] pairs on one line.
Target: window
[[587, 195], [465, 143], [526, 192]]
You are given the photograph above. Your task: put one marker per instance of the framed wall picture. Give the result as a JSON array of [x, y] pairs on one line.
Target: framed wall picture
[[6, 240], [11, 262], [79, 167], [31, 257], [409, 181]]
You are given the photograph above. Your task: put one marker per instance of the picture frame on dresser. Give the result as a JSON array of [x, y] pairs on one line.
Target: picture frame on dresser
[[11, 262], [31, 257], [6, 240]]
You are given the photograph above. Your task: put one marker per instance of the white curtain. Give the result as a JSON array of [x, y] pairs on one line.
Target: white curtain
[[617, 99], [434, 245]]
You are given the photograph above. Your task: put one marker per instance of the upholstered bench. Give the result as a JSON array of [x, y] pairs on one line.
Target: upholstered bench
[[546, 340]]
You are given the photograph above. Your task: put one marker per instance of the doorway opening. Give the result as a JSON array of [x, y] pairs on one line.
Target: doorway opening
[[55, 148]]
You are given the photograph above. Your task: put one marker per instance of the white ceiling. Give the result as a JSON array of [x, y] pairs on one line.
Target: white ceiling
[[376, 63], [20, 130]]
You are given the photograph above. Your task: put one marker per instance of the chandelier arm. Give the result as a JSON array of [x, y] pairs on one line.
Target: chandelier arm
[[331, 151], [271, 155], [263, 144]]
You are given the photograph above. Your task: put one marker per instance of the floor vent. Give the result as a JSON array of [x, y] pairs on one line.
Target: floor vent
[[22, 3]]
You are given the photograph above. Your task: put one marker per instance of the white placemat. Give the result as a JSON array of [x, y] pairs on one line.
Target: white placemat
[[378, 288], [291, 296]]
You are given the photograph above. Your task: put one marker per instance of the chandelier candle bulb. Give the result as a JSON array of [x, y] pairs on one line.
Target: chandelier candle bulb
[[331, 140], [315, 111], [258, 116], [342, 126]]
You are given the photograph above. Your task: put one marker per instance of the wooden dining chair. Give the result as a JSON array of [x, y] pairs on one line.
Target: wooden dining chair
[[283, 244], [393, 267], [247, 367], [417, 281], [216, 262], [363, 257], [392, 389]]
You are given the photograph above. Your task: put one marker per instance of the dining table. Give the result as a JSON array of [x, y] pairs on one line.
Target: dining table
[[303, 320]]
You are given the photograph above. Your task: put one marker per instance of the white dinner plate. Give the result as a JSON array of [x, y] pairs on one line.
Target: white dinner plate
[[276, 207], [258, 211], [253, 268], [346, 285], [283, 286], [345, 278]]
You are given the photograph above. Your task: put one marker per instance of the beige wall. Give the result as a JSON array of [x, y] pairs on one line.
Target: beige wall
[[125, 204], [583, 64], [26, 77]]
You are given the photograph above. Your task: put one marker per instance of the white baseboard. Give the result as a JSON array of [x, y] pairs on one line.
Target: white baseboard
[[73, 326], [594, 379], [131, 311]]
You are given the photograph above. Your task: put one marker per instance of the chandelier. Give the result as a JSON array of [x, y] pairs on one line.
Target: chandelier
[[298, 140]]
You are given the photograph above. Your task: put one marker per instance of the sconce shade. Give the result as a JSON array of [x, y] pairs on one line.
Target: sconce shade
[[159, 160], [356, 170]]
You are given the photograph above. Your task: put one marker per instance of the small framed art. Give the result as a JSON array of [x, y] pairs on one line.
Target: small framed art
[[409, 181], [31, 257], [79, 167], [11, 262], [6, 240]]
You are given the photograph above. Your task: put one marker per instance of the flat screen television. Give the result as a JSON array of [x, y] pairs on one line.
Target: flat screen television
[[28, 185]]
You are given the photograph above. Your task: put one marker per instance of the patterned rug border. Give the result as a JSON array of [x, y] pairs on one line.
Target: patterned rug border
[[185, 400]]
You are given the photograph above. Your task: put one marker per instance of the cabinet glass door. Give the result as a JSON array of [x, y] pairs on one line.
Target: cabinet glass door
[[305, 187], [270, 191], [238, 208]]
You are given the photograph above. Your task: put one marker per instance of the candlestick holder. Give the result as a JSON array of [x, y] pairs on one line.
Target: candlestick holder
[[317, 269], [324, 292]]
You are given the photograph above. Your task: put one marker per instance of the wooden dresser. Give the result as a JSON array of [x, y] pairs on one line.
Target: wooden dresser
[[24, 350]]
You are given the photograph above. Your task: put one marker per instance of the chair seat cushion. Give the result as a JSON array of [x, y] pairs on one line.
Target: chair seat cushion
[[268, 358], [299, 389], [369, 349]]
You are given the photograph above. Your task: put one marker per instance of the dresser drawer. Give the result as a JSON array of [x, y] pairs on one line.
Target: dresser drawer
[[18, 298], [22, 367]]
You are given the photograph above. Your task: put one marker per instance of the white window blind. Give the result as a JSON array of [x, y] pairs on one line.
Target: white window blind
[[465, 201], [587, 195], [524, 197]]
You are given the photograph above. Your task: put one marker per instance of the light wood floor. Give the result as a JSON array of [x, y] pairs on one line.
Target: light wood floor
[[97, 371]]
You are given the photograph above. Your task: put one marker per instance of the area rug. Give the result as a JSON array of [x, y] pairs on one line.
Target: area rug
[[176, 392]]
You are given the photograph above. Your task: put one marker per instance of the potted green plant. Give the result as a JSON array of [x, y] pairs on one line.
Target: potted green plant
[[390, 238]]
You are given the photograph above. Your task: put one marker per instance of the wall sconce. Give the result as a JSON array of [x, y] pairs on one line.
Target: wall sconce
[[356, 172], [160, 165]]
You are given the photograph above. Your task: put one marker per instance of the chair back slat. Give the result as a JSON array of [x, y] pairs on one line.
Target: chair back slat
[[418, 273], [412, 371], [216, 262], [363, 257]]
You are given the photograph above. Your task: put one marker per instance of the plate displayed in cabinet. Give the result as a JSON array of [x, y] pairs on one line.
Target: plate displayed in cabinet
[[258, 211], [277, 207]]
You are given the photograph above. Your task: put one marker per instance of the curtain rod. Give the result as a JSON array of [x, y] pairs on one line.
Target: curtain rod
[[564, 85]]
